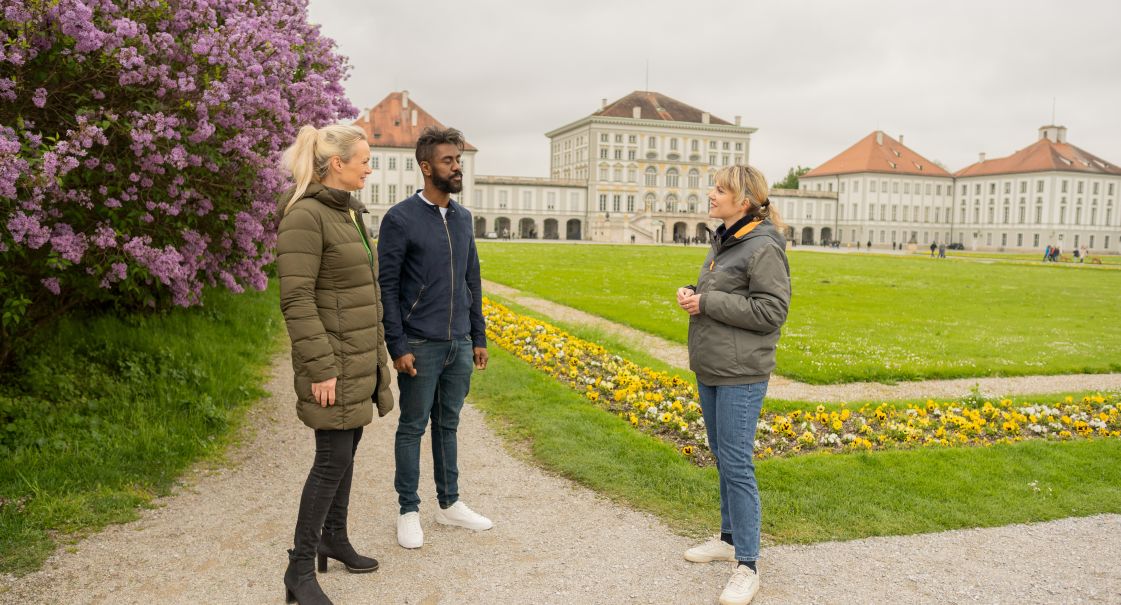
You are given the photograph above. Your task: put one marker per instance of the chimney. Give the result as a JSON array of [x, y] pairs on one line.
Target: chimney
[[603, 103], [636, 112], [414, 118], [981, 157], [405, 99], [879, 138], [705, 118], [900, 139], [738, 118]]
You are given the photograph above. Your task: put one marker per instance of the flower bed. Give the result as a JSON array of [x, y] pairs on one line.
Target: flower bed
[[667, 406]]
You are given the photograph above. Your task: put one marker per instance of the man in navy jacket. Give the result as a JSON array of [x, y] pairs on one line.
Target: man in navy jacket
[[434, 328]]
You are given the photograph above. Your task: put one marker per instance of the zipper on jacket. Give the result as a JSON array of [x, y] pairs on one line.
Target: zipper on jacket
[[451, 264], [362, 236], [415, 302]]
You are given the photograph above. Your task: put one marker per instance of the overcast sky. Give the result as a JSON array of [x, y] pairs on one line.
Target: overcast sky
[[955, 77]]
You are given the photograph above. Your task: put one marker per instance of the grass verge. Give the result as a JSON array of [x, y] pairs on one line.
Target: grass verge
[[808, 498], [108, 411]]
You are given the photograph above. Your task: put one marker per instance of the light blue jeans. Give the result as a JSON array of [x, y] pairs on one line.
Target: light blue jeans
[[731, 414]]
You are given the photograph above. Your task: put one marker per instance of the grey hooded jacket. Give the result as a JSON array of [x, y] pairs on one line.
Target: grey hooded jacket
[[745, 294]]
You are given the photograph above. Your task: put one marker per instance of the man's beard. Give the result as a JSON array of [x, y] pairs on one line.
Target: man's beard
[[448, 185]]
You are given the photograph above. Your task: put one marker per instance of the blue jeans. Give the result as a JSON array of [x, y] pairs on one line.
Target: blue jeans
[[436, 393], [731, 414]]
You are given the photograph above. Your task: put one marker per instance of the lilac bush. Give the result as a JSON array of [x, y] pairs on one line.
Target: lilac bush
[[139, 147]]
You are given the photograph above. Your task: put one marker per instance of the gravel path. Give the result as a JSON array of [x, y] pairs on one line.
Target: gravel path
[[677, 355], [221, 539]]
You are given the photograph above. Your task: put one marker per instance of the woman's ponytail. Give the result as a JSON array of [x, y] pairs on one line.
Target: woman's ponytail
[[299, 160]]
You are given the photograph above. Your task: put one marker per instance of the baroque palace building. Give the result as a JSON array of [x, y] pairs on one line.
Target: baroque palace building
[[1048, 193], [637, 170]]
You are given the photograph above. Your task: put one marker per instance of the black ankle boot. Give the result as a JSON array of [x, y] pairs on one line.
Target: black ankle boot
[[300, 585], [336, 546]]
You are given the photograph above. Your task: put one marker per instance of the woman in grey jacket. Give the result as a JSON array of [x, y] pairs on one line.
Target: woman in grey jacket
[[736, 311]]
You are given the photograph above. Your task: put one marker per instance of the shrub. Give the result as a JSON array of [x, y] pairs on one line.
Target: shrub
[[139, 146]]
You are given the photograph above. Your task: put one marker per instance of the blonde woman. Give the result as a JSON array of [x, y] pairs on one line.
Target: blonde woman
[[736, 310], [331, 302]]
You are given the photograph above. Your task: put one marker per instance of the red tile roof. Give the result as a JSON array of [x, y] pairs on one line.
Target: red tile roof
[[1041, 156], [656, 106], [887, 156], [390, 122]]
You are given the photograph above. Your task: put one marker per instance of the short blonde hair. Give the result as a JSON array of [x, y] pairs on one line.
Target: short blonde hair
[[748, 186]]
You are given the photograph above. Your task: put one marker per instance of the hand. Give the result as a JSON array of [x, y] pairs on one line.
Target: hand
[[684, 295], [404, 364], [324, 392], [691, 303], [481, 358]]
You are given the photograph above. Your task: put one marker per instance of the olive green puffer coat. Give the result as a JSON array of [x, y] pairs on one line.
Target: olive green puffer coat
[[331, 301]]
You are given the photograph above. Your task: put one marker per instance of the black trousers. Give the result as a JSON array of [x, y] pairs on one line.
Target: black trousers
[[326, 495]]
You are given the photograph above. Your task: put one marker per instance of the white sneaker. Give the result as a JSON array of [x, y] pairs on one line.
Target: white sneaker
[[409, 533], [713, 550], [459, 515], [741, 588]]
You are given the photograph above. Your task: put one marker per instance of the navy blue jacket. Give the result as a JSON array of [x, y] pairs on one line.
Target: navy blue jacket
[[429, 275]]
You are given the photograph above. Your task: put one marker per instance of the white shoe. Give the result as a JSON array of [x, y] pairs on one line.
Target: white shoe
[[409, 533], [741, 588], [459, 515], [713, 550]]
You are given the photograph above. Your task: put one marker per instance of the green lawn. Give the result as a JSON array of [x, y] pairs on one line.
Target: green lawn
[[856, 317], [808, 498], [108, 412]]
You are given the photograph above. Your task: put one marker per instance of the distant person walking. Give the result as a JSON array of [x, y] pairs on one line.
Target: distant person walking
[[434, 327], [1047, 253], [736, 310], [330, 299], [933, 248], [942, 250]]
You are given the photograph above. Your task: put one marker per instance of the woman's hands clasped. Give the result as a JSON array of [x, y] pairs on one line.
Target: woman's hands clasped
[[689, 300]]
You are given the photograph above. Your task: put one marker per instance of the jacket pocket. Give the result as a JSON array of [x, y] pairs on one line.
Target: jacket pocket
[[412, 307], [755, 353]]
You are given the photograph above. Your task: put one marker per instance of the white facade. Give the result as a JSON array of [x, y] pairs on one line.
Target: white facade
[[645, 174], [885, 208], [1020, 210], [529, 208], [1037, 209]]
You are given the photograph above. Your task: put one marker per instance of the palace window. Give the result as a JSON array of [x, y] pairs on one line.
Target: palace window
[[651, 177]]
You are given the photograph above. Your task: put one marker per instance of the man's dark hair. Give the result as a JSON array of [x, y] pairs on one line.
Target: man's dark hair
[[433, 136]]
